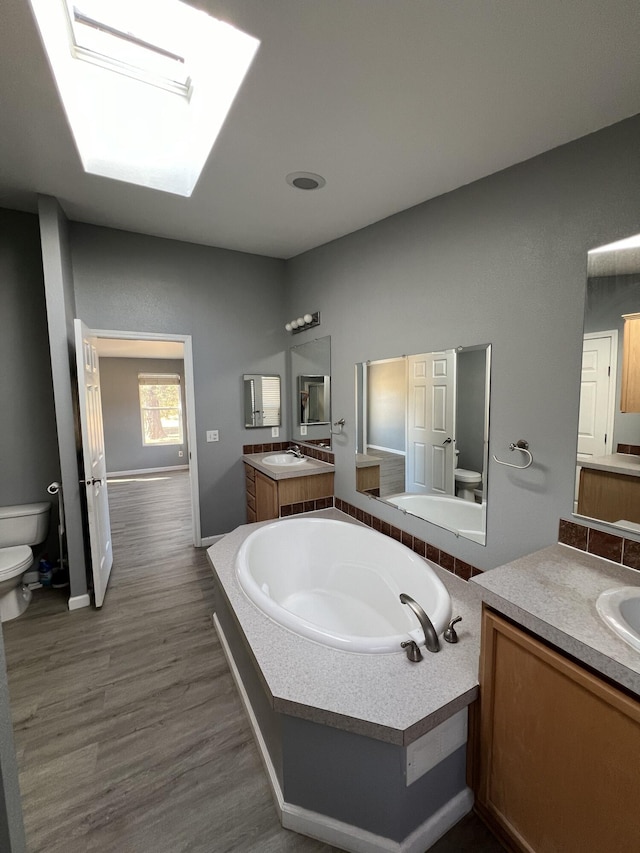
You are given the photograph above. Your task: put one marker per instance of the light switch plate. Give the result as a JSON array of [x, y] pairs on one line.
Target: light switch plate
[[303, 429], [275, 432]]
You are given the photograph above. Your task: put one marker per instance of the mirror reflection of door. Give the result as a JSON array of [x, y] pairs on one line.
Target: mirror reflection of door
[[431, 423], [314, 398]]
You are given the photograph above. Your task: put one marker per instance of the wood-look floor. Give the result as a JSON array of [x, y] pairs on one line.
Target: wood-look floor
[[129, 733]]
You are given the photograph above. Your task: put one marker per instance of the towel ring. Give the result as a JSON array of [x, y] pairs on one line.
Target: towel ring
[[518, 445], [339, 424]]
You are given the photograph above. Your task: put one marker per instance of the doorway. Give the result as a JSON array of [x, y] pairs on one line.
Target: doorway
[[170, 348]]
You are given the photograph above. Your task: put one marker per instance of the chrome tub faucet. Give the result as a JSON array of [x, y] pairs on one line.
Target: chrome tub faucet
[[430, 637]]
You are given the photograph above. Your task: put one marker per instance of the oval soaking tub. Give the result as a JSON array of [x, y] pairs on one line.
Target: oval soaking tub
[[339, 584], [461, 517]]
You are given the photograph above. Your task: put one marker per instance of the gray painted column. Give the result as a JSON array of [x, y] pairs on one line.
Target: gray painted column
[[60, 301]]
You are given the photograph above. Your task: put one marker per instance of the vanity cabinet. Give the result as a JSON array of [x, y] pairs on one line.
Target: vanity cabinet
[[557, 749], [266, 496], [630, 393], [609, 496]]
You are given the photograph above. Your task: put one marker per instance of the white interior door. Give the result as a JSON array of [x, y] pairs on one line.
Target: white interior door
[[597, 397], [95, 469], [431, 423]]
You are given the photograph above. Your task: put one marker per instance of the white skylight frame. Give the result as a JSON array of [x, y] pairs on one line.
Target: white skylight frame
[[151, 135]]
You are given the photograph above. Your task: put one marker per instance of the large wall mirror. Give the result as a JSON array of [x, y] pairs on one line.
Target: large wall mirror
[[310, 388], [608, 463], [261, 396], [423, 436]]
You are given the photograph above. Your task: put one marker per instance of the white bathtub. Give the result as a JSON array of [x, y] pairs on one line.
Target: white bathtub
[[339, 584], [463, 518]]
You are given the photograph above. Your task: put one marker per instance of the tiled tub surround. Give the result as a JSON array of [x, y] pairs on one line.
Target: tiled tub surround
[[337, 729], [618, 549], [553, 594]]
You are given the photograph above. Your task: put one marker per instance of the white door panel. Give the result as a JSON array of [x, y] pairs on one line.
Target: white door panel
[[95, 467]]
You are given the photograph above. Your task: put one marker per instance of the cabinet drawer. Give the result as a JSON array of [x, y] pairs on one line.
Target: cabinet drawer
[[251, 502], [251, 515]]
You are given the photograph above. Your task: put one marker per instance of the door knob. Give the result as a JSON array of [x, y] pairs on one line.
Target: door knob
[[446, 441], [93, 481]]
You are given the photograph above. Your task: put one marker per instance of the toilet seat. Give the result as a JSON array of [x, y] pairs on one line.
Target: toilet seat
[[463, 475], [14, 560]]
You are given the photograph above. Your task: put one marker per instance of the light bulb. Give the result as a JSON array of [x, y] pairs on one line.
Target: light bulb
[[308, 318], [294, 324], [288, 327], [300, 321]]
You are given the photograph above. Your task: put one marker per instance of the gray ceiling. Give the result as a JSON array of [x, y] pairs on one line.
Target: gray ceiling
[[392, 101]]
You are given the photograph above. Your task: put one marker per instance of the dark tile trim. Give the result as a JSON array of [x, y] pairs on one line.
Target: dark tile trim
[[423, 549], [601, 544], [633, 449]]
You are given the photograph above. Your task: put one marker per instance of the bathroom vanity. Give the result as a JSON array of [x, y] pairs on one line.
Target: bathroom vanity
[[610, 488], [558, 734], [272, 488]]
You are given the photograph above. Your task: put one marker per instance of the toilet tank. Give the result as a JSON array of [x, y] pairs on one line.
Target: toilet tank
[[24, 524]]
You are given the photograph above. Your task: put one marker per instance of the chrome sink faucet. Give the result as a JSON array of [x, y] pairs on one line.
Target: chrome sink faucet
[[430, 637], [295, 451]]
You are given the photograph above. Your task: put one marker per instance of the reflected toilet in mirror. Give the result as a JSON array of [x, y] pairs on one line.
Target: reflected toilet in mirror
[[422, 436]]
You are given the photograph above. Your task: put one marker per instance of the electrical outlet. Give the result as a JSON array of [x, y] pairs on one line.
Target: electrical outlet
[[213, 435], [303, 429], [275, 432]]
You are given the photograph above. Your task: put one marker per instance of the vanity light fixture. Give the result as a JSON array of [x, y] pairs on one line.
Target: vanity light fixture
[[308, 321]]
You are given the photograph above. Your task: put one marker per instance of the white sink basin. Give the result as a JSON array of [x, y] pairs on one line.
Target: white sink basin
[[620, 609], [279, 459]]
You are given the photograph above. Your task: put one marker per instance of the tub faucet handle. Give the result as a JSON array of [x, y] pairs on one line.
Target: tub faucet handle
[[413, 652], [450, 634]]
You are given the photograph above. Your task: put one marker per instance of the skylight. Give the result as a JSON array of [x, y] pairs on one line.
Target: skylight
[[146, 84]]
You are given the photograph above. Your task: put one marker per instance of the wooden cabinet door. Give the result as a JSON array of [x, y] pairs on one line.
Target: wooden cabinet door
[[266, 498], [559, 749], [630, 386]]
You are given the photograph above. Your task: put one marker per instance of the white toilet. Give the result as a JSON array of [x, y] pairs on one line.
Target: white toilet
[[466, 483], [21, 526]]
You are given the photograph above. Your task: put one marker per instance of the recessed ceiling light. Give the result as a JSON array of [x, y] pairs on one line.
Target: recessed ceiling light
[[305, 180]]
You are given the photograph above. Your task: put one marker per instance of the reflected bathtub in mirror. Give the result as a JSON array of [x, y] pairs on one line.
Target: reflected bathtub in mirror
[[423, 436]]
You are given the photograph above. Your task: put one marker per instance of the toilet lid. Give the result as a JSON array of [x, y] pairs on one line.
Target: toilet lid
[[462, 475], [15, 559]]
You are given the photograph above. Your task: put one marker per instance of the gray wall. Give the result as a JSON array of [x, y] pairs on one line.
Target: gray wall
[[500, 261], [124, 450], [608, 298], [387, 405], [470, 408], [29, 448], [233, 306], [60, 302]]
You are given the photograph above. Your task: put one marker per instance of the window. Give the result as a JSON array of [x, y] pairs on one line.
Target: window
[[160, 408], [146, 85]]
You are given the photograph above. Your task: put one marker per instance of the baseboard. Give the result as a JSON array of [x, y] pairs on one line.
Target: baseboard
[[76, 602], [334, 832], [147, 471]]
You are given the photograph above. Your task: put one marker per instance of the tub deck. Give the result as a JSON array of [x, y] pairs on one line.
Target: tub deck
[[384, 697]]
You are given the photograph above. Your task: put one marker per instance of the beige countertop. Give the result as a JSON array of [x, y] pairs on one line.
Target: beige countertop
[[308, 468], [385, 697], [553, 593], [364, 460], [614, 463]]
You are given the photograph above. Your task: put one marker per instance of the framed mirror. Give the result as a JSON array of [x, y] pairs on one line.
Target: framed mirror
[[310, 386], [423, 436], [608, 459], [261, 396]]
